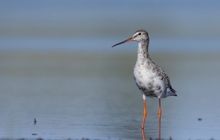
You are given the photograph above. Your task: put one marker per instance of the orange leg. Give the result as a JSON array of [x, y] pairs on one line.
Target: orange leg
[[159, 119], [159, 109], [144, 114]]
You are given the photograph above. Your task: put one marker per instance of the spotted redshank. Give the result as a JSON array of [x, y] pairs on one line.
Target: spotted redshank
[[151, 79]]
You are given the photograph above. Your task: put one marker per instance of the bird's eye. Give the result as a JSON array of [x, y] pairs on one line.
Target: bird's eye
[[139, 34]]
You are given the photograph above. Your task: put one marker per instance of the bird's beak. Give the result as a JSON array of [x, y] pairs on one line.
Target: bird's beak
[[127, 40]]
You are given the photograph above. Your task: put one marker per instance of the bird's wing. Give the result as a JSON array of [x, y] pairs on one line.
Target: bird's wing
[[167, 80]]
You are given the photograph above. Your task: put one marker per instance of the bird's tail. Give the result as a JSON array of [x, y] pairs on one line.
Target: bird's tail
[[170, 92]]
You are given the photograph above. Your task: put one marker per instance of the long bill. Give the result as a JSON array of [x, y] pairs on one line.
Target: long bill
[[127, 40]]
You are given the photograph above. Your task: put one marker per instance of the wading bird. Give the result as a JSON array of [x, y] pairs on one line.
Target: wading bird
[[151, 79]]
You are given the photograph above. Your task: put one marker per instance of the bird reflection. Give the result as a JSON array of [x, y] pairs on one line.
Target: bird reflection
[[143, 135], [159, 130], [159, 127]]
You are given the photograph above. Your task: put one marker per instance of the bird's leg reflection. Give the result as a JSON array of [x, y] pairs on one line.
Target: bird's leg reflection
[[159, 119], [143, 135], [159, 127]]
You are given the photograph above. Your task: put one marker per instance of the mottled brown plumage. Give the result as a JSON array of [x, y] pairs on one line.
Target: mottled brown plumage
[[151, 79]]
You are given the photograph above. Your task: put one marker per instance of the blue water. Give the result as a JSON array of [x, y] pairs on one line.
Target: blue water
[[57, 65], [77, 25], [92, 95], [105, 44], [79, 19]]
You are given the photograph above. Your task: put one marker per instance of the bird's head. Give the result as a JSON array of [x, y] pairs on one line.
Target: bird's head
[[140, 35]]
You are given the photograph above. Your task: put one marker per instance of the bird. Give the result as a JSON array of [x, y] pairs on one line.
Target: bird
[[150, 78]]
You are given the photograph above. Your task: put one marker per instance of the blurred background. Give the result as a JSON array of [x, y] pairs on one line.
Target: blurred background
[[57, 65]]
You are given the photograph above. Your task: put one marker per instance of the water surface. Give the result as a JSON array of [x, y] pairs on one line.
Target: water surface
[[57, 66], [92, 95]]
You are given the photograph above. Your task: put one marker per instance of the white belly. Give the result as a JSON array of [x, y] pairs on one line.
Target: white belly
[[148, 81]]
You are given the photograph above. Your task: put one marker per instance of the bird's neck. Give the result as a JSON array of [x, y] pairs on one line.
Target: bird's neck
[[142, 53]]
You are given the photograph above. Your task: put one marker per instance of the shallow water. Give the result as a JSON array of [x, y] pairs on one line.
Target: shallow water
[[57, 66], [92, 95]]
